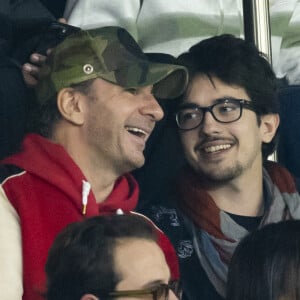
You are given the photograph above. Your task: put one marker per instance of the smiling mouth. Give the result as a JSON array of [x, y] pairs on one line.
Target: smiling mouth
[[212, 149], [137, 132]]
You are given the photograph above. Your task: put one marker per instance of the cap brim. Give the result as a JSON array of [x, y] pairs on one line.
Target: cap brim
[[172, 85], [169, 81]]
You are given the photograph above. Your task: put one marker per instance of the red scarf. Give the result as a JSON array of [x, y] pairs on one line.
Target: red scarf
[[215, 235], [200, 207]]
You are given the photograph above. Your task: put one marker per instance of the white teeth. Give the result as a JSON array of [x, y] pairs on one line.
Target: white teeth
[[136, 130], [216, 148]]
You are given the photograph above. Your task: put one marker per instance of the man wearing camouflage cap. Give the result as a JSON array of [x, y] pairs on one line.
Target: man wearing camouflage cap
[[96, 109]]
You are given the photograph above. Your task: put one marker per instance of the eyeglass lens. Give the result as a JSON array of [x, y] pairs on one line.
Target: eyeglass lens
[[225, 112], [159, 292]]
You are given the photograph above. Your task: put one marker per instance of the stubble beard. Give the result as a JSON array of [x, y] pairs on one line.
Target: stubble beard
[[226, 174], [221, 177]]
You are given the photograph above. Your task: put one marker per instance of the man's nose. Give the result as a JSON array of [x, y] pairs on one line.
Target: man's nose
[[152, 108]]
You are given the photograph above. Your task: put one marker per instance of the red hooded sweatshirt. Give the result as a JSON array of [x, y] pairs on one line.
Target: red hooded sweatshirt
[[49, 191]]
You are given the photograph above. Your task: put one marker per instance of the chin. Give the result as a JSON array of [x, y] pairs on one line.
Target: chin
[[139, 164], [136, 163], [222, 175]]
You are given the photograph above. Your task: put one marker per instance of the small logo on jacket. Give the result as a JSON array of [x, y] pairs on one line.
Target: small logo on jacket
[[161, 211], [185, 249]]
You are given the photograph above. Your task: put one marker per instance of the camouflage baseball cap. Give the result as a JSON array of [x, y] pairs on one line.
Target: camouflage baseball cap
[[112, 54]]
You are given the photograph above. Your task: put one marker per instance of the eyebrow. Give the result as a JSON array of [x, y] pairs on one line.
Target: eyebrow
[[215, 101], [188, 105]]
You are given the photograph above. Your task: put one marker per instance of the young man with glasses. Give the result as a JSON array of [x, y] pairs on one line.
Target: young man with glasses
[[227, 123], [109, 257]]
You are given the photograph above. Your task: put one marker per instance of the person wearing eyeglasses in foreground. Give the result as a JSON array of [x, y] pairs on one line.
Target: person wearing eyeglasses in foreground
[[109, 257], [266, 264], [227, 122]]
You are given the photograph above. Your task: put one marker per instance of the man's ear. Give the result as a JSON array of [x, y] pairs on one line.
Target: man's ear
[[70, 105], [89, 297], [268, 126]]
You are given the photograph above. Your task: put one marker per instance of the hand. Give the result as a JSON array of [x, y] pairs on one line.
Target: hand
[[31, 69]]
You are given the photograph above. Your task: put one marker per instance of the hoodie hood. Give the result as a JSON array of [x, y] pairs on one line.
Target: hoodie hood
[[51, 163]]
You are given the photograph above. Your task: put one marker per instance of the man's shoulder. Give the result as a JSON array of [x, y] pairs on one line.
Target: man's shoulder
[[169, 219], [172, 221]]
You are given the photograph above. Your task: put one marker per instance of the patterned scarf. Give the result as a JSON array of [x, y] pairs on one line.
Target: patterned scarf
[[215, 233]]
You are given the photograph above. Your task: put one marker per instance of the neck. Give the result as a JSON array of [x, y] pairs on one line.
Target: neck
[[103, 185], [100, 175]]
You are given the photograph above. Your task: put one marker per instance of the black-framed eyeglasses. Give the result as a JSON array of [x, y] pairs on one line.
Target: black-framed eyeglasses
[[158, 292], [225, 110]]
